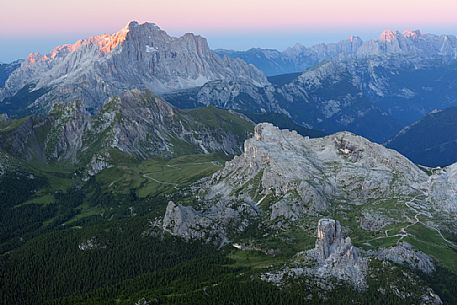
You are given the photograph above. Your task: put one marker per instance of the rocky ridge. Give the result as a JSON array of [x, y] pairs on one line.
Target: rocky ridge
[[138, 56], [136, 123], [373, 88], [389, 43], [404, 253]]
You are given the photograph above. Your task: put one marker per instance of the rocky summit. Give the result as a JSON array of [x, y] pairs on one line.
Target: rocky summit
[[138, 56], [302, 174]]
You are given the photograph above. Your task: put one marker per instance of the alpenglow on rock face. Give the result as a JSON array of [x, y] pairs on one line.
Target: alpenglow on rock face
[[138, 56], [299, 57]]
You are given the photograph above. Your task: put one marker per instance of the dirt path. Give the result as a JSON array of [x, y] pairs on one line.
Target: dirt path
[[403, 231], [417, 220], [175, 185]]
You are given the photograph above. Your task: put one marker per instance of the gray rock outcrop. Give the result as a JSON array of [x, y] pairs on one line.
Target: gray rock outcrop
[[336, 256], [372, 220], [212, 225], [404, 253], [430, 298], [303, 175]]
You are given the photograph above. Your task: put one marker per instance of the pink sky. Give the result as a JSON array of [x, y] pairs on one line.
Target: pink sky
[[29, 17], [39, 25]]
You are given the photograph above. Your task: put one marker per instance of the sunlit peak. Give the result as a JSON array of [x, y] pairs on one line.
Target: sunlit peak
[[388, 35], [411, 34]]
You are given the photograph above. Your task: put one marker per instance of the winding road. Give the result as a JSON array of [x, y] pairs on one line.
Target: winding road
[[403, 231]]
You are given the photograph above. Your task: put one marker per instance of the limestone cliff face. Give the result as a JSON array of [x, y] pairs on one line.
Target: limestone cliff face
[[138, 56], [333, 257], [309, 173], [212, 225], [336, 256]]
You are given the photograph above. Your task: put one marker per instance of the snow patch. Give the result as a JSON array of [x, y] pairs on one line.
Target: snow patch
[[150, 49]]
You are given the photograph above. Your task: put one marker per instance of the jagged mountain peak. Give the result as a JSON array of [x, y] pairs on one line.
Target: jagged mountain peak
[[355, 38], [412, 34], [389, 35], [104, 43], [138, 56]]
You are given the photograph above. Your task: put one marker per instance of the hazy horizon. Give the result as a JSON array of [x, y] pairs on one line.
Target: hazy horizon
[[38, 26]]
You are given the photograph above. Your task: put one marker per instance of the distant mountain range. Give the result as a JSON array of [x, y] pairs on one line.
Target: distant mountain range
[[298, 58], [373, 88], [375, 96]]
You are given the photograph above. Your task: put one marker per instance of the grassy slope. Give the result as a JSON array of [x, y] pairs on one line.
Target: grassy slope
[[215, 118], [152, 177]]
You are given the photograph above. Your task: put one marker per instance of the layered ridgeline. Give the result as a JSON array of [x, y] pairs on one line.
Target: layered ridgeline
[[138, 56], [269, 200], [299, 57], [136, 123], [372, 88]]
